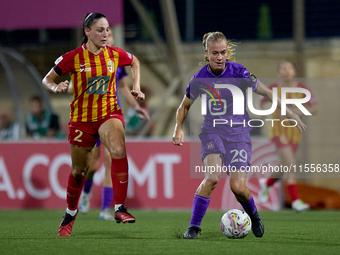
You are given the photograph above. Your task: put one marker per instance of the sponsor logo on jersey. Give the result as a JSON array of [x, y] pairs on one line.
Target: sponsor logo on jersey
[[87, 69], [97, 85], [129, 55]]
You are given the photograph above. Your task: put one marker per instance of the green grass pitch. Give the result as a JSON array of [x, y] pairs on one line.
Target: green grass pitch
[[160, 232]]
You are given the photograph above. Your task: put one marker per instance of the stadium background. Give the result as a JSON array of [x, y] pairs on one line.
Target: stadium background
[[170, 50]]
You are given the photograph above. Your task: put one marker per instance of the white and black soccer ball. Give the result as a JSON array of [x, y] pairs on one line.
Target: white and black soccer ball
[[235, 224]]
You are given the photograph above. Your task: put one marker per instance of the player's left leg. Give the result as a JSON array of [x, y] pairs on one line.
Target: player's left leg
[[238, 158], [287, 157], [112, 135], [243, 196], [107, 191], [280, 141]]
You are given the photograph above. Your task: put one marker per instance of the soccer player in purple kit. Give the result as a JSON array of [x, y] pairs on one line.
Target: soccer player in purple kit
[[224, 144]]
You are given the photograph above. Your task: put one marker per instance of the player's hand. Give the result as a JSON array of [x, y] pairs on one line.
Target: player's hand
[[139, 95], [177, 138], [61, 87], [300, 125], [142, 113]]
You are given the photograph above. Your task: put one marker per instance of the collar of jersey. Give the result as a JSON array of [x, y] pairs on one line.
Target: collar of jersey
[[85, 48], [226, 64]]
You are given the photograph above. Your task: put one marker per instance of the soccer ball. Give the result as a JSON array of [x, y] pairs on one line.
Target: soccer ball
[[235, 224]]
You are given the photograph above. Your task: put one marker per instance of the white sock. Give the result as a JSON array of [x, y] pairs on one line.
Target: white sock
[[117, 207], [71, 212], [86, 194]]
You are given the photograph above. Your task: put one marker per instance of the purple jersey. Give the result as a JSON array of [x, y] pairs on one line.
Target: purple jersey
[[219, 101], [120, 74]]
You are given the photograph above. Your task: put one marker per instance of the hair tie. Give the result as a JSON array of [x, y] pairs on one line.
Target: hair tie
[[88, 16]]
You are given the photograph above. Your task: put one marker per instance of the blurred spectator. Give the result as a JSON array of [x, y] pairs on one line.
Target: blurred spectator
[[133, 121], [9, 129], [41, 122]]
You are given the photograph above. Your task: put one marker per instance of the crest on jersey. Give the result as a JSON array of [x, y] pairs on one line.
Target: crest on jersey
[[252, 78], [111, 66], [210, 145]]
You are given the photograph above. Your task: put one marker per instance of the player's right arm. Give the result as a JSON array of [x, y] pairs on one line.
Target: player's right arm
[[182, 112], [49, 82]]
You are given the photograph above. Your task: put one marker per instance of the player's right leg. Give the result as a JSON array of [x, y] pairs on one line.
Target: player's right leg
[[80, 163], [84, 202], [203, 195]]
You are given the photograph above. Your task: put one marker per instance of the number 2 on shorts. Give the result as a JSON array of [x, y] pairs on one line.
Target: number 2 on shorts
[[77, 138], [239, 156]]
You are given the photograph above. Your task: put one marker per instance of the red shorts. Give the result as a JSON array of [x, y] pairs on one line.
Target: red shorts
[[85, 134], [282, 141]]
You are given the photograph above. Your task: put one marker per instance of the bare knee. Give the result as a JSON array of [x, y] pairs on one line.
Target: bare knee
[[79, 175], [118, 152], [95, 164], [239, 188], [78, 172], [212, 182]]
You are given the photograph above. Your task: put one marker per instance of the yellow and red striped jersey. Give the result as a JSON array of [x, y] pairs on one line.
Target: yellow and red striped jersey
[[292, 134], [94, 81]]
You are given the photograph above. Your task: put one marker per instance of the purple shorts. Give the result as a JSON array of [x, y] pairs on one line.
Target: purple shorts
[[98, 142], [235, 150]]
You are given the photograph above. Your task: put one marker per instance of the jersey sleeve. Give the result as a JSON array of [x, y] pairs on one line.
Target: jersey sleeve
[[250, 79], [192, 92], [125, 58], [65, 63]]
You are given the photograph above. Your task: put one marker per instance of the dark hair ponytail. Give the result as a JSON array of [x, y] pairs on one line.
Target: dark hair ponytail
[[88, 21]]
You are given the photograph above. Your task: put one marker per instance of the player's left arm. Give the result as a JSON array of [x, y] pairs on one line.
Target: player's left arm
[[135, 71], [131, 100], [263, 90]]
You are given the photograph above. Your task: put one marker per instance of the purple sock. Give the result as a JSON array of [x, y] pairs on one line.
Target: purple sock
[[249, 207], [199, 207], [107, 196], [88, 186]]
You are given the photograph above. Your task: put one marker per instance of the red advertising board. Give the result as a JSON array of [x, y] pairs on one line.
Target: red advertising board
[[34, 175]]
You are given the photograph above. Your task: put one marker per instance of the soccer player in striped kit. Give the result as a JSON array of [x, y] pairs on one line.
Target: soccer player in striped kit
[[222, 144], [94, 112], [107, 190], [286, 140]]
